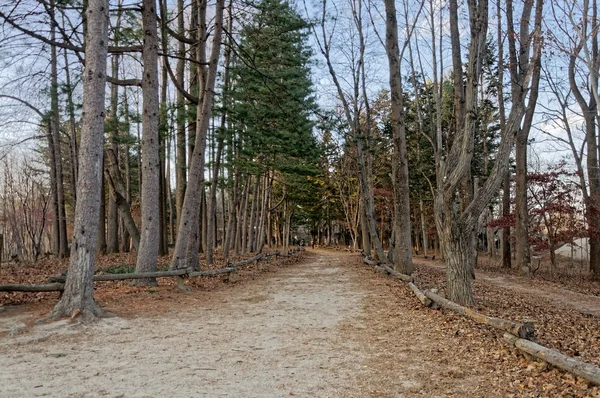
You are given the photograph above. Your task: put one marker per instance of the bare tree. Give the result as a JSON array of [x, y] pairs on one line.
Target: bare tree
[[578, 41], [456, 220], [402, 222]]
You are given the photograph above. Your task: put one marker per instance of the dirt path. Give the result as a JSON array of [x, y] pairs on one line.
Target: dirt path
[[560, 296], [323, 328]]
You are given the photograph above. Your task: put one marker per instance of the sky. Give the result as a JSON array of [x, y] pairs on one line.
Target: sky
[[24, 71]]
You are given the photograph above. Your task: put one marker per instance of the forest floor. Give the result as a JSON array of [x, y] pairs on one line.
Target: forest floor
[[327, 326], [569, 296]]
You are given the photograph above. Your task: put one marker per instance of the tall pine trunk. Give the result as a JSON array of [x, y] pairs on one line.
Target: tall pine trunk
[[147, 256], [77, 297], [112, 230], [191, 205], [180, 155], [402, 227], [56, 147]]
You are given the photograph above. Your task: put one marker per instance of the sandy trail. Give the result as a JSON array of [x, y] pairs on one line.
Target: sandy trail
[[321, 328]]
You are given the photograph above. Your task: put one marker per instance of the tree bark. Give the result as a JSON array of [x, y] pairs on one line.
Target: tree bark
[[112, 219], [150, 232], [253, 215], [102, 220], [163, 133], [79, 287], [231, 234], [453, 170], [505, 242], [55, 146], [119, 195], [424, 228], [364, 228], [180, 156], [402, 224], [521, 220], [243, 219], [73, 131], [125, 161], [191, 205]]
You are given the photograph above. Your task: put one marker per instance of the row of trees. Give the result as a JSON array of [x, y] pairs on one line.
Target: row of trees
[[405, 152], [221, 95]]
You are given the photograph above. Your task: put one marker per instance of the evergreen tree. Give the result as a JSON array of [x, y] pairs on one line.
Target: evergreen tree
[[273, 92]]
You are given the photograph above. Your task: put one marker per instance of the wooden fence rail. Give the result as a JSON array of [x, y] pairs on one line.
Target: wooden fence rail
[[57, 282], [520, 335]]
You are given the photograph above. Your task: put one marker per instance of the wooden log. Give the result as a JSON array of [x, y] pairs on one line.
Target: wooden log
[[276, 254], [368, 261], [523, 330], [212, 272], [426, 301], [141, 275], [399, 275], [49, 287], [248, 261], [230, 268], [579, 368]]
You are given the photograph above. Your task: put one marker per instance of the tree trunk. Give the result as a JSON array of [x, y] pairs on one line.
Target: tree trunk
[[593, 202], [77, 298], [424, 228], [119, 195], [163, 134], [180, 156], [112, 230], [102, 220], [506, 255], [402, 225], [203, 222], [521, 222], [505, 243], [230, 237], [264, 213], [126, 163], [253, 215], [364, 229], [243, 219], [191, 205], [73, 131], [457, 245], [147, 256], [55, 147]]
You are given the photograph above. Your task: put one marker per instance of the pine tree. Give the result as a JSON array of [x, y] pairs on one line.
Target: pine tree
[[273, 91]]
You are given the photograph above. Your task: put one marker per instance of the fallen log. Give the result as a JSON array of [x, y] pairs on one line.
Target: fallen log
[[426, 301], [368, 261], [523, 330], [247, 261], [212, 272], [186, 272], [229, 268], [49, 287], [290, 253], [276, 254], [141, 275], [399, 275], [579, 368]]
